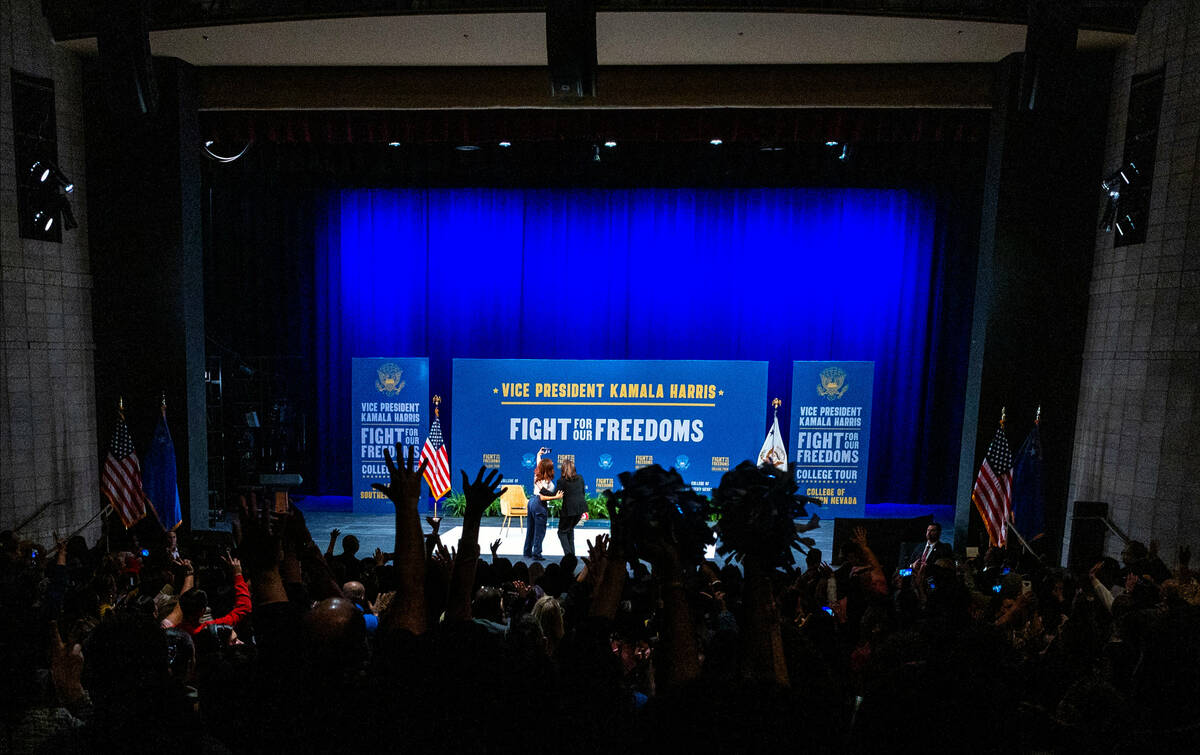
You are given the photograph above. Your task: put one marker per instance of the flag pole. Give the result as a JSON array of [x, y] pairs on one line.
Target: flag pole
[[775, 404], [1012, 528], [110, 508], [436, 415]]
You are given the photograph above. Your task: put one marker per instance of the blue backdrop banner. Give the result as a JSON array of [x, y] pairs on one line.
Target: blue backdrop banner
[[830, 440], [610, 416], [390, 399]]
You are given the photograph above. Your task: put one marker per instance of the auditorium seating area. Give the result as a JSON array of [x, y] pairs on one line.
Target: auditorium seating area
[[642, 645]]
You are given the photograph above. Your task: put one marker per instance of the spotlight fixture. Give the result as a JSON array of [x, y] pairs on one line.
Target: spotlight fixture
[[44, 170], [40, 170], [506, 144], [770, 148], [57, 207], [832, 143], [43, 219], [467, 148], [610, 144], [716, 142], [393, 144]]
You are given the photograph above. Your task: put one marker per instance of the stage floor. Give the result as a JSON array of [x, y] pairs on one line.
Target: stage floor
[[378, 531]]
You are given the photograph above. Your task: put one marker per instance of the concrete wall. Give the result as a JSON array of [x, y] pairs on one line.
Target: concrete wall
[[1137, 440], [48, 449]]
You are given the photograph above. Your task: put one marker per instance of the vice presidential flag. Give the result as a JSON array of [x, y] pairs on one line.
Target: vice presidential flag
[[1028, 498], [437, 473], [773, 451], [993, 488], [121, 478], [158, 476]]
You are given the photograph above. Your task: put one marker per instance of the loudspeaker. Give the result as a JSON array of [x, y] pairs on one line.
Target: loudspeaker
[[1087, 535], [1046, 68], [123, 42], [571, 47]]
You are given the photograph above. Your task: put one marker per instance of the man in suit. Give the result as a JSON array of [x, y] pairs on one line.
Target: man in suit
[[933, 549]]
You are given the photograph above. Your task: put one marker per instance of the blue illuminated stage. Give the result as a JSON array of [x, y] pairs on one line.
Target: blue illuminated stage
[[770, 275]]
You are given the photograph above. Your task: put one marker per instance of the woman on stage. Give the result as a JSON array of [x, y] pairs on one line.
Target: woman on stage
[[543, 490], [574, 506]]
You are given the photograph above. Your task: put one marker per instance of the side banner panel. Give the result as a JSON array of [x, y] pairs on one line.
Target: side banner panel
[[390, 405], [831, 433]]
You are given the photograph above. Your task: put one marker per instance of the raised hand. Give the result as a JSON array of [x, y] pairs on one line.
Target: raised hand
[[233, 563], [435, 524], [380, 558], [333, 535], [860, 536], [66, 667], [598, 548], [404, 485], [495, 547], [444, 556], [261, 544], [481, 492]]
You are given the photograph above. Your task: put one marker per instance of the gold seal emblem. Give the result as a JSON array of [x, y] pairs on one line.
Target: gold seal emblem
[[389, 379], [833, 383]]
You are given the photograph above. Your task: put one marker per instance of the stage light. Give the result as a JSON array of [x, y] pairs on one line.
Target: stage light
[[393, 144], [57, 207], [716, 142], [845, 152], [506, 144], [770, 148], [40, 170], [610, 144], [467, 148], [831, 143], [43, 220], [595, 153]]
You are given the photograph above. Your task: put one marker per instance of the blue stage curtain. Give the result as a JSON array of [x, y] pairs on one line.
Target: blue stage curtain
[[764, 274]]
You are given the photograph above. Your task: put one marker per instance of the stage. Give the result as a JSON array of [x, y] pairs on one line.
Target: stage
[[378, 531]]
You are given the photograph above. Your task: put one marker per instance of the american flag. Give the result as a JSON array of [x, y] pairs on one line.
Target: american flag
[[993, 488], [437, 473], [121, 478]]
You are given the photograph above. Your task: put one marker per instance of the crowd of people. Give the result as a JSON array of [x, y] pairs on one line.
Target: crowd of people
[[270, 644]]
